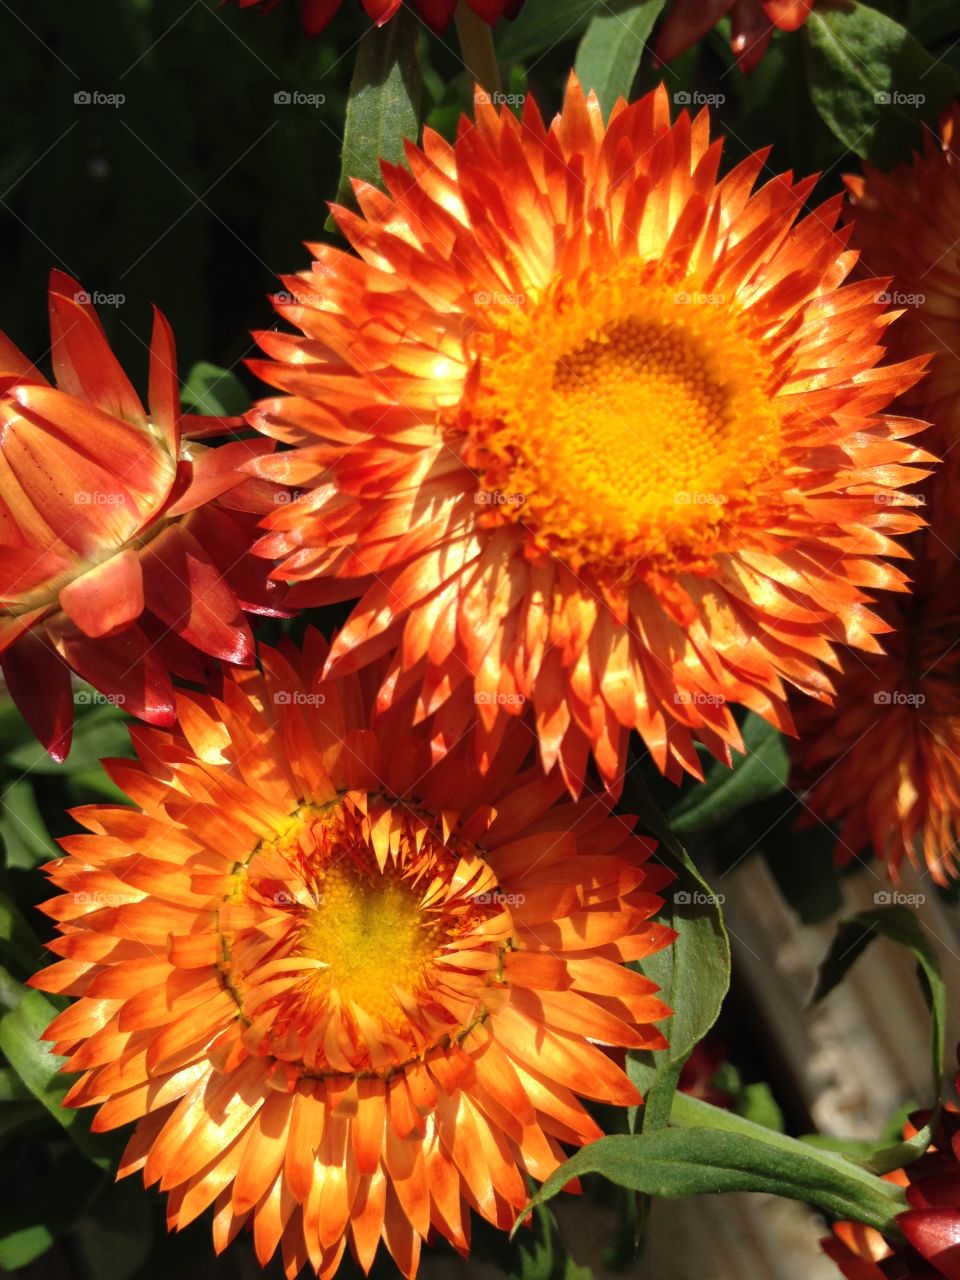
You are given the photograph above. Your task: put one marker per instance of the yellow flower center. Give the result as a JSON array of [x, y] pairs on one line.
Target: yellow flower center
[[361, 937], [620, 420], [374, 936]]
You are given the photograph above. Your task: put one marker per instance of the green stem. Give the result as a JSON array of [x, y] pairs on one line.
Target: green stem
[[476, 48], [880, 1201]]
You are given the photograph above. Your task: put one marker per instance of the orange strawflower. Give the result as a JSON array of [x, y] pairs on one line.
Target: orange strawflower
[[905, 226], [124, 543], [589, 431], [346, 994], [884, 762], [437, 14], [752, 24]]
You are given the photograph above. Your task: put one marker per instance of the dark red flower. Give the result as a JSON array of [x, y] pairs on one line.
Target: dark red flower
[[124, 541], [437, 14], [752, 25]]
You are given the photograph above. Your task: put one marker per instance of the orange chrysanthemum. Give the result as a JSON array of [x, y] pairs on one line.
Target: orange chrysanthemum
[[347, 995], [591, 431], [884, 762], [124, 543], [437, 14], [905, 226], [752, 24]]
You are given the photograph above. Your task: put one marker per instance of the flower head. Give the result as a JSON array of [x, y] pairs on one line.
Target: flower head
[[884, 761], [591, 434], [437, 14], [124, 542], [346, 994], [931, 1226], [752, 24], [905, 228]]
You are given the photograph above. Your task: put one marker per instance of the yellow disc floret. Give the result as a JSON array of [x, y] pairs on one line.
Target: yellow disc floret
[[373, 935], [621, 419]]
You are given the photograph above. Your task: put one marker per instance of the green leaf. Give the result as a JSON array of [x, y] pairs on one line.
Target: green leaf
[[50, 1200], [872, 83], [99, 731], [760, 773], [757, 1104], [542, 1255], [384, 104], [899, 924], [21, 1029], [541, 25], [610, 52], [23, 1245], [26, 841], [693, 974], [115, 1236], [18, 943], [213, 391], [722, 1152]]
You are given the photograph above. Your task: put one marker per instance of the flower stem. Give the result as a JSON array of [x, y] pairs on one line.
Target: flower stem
[[476, 48]]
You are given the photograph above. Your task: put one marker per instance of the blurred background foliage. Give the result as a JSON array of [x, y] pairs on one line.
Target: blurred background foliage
[[193, 188]]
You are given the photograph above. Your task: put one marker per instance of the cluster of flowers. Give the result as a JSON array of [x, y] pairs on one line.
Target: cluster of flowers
[[358, 948]]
